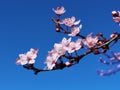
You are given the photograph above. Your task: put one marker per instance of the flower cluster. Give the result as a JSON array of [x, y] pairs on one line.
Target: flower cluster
[[116, 16], [67, 52], [91, 41], [60, 49], [115, 58], [68, 46], [68, 22], [27, 58], [59, 10]]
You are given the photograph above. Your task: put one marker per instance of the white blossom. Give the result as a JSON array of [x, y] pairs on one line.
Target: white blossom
[[73, 46], [56, 52], [27, 58], [70, 21], [90, 41], [116, 16], [112, 35], [65, 42], [75, 30], [59, 10], [50, 61], [59, 49]]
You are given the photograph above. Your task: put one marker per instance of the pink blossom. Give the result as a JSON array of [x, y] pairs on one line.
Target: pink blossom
[[27, 58], [70, 21], [32, 53], [59, 10], [75, 30], [51, 61], [68, 64], [116, 19], [22, 60], [112, 35], [57, 52], [90, 41], [65, 42], [59, 49], [116, 16], [73, 46], [78, 44]]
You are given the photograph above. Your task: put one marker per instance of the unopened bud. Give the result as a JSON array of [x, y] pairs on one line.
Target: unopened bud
[[68, 64], [112, 35], [57, 29], [115, 13], [99, 43]]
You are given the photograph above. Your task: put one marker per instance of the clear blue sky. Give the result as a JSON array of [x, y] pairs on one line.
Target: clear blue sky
[[26, 24]]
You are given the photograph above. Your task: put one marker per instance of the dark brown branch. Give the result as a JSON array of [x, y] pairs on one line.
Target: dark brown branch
[[115, 38]]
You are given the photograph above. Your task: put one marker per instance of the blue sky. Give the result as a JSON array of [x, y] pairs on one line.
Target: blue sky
[[26, 24]]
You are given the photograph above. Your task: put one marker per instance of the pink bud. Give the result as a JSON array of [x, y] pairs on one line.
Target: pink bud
[[112, 35], [68, 64]]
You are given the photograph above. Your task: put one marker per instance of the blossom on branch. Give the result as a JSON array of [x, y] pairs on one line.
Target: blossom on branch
[[65, 42], [73, 46], [75, 30], [116, 16], [59, 49], [56, 53], [51, 61], [59, 10], [90, 41], [68, 49], [27, 58], [112, 35], [70, 21]]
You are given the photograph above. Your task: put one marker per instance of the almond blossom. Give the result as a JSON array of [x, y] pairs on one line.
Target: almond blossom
[[59, 10], [75, 30], [90, 41], [112, 35], [70, 21], [59, 49], [95, 44], [56, 53], [65, 42], [22, 60], [73, 46], [27, 58], [51, 61], [116, 16]]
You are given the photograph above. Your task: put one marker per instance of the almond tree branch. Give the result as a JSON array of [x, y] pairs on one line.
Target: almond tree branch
[[58, 28], [75, 59]]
